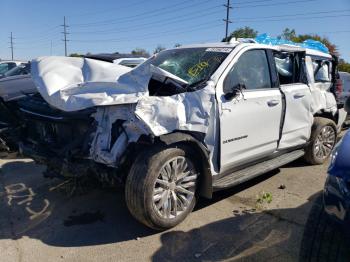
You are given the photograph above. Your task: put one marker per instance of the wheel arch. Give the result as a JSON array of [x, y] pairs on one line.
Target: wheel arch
[[195, 140], [328, 115]]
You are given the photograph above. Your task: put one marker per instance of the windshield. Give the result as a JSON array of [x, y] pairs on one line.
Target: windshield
[[191, 64], [19, 70]]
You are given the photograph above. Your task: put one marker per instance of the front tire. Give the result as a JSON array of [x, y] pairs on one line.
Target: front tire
[[322, 141], [160, 189]]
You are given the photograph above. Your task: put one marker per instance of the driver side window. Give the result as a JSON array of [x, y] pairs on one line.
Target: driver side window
[[251, 70]]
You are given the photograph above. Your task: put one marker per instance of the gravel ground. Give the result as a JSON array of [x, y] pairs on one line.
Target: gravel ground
[[42, 222]]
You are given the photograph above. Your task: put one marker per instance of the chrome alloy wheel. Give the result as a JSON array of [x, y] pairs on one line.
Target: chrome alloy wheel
[[174, 189], [325, 142]]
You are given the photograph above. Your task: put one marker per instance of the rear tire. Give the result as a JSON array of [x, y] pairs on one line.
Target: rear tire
[[160, 189], [322, 141]]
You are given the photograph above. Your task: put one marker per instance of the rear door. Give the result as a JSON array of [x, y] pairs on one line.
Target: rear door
[[298, 118], [249, 122]]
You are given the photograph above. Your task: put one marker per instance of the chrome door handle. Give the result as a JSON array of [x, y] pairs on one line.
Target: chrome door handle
[[298, 95], [273, 102]]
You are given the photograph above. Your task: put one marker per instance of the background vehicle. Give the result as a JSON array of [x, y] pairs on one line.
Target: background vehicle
[[199, 118], [344, 87], [22, 69], [329, 221], [7, 65], [344, 78], [120, 59]]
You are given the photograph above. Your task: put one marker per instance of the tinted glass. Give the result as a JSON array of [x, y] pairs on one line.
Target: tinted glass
[[251, 70]]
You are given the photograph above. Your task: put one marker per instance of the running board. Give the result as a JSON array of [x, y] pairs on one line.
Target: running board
[[250, 172]]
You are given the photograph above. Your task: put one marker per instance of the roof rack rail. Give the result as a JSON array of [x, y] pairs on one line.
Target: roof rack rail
[[242, 40]]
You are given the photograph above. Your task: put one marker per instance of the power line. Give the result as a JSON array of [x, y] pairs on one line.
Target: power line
[[274, 4], [290, 19], [65, 35], [175, 20], [160, 23], [152, 35], [246, 20], [154, 12], [227, 20], [297, 14]]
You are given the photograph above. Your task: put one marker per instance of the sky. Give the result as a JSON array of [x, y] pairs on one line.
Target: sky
[[107, 26]]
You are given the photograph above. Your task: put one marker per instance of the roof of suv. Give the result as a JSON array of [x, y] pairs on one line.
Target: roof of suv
[[233, 44]]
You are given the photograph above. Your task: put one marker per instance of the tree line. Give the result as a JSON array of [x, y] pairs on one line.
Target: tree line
[[290, 34]]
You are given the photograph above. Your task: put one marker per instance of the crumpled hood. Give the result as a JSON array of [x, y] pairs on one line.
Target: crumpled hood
[[72, 84]]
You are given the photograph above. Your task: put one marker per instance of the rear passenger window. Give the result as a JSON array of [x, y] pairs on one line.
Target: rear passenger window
[[289, 67], [251, 70], [322, 70]]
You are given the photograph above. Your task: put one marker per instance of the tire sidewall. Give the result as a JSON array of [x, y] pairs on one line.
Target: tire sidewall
[[154, 166], [316, 132]]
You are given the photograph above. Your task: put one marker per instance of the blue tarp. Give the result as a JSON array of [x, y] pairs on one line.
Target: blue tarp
[[309, 43]]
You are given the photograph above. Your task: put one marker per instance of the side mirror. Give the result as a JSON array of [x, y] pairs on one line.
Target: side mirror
[[347, 105], [235, 90]]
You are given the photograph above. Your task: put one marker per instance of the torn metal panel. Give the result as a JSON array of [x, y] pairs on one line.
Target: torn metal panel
[[185, 111], [102, 150], [321, 98], [156, 116]]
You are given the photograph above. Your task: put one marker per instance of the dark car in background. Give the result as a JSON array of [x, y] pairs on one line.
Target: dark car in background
[[6, 65], [327, 231], [128, 60], [21, 69], [336, 194]]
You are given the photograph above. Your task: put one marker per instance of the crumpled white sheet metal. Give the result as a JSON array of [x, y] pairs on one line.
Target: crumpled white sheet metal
[[185, 111], [193, 111], [322, 99], [72, 84]]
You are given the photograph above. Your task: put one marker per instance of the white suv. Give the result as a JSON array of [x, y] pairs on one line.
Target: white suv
[[185, 123]]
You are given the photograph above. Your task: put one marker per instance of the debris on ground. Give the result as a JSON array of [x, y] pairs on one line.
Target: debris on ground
[[282, 186]]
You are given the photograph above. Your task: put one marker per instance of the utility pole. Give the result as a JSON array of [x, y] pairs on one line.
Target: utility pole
[[227, 20], [11, 47], [65, 33]]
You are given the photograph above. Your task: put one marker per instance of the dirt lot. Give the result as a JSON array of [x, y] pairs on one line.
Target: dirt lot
[[39, 222]]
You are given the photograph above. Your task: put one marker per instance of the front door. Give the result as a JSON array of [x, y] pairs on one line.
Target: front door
[[250, 121]]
